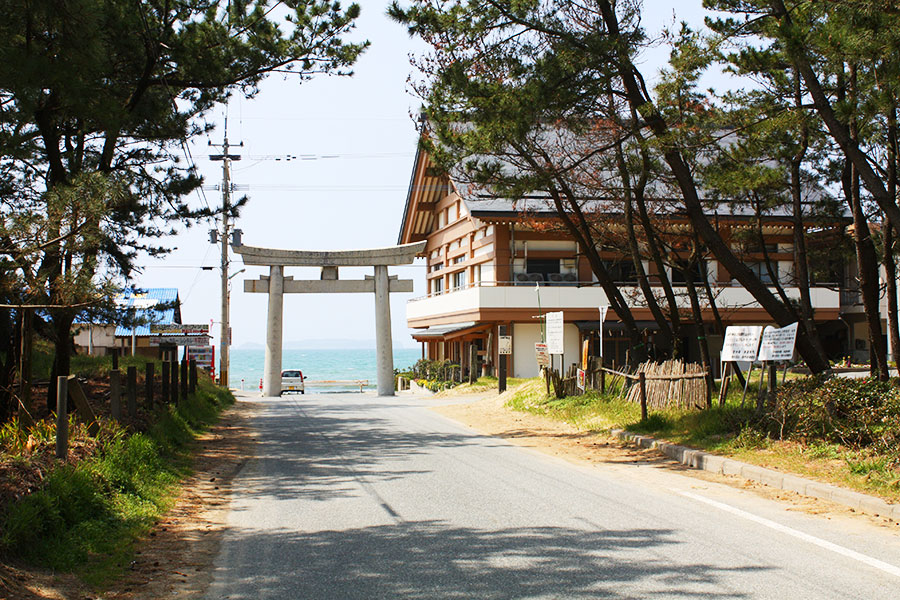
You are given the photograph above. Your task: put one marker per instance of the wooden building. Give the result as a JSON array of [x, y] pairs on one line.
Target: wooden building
[[494, 261]]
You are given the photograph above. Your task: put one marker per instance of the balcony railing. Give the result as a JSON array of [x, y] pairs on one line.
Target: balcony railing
[[726, 293]]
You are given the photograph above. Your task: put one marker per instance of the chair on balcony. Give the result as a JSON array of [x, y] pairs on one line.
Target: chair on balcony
[[555, 278], [570, 278], [522, 278], [536, 277]]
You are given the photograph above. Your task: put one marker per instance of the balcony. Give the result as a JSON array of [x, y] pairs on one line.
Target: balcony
[[472, 299]]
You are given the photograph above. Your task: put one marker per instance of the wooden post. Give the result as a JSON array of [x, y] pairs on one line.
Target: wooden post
[[773, 382], [131, 390], [174, 369], [473, 362], [184, 379], [725, 384], [761, 392], [166, 377], [602, 380], [746, 384], [192, 371], [115, 358], [148, 383], [62, 417], [83, 409], [642, 381], [501, 374], [115, 395]]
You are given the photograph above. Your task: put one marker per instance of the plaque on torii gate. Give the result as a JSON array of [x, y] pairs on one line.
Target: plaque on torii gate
[[381, 284]]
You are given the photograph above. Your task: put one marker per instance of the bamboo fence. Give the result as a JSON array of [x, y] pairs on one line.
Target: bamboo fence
[[671, 383]]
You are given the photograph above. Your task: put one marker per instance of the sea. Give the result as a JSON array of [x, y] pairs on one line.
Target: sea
[[317, 365]]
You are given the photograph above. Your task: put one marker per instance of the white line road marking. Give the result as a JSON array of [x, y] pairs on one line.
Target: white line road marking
[[872, 562]]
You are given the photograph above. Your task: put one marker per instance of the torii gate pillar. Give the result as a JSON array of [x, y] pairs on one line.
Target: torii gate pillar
[[384, 347], [276, 285], [274, 332]]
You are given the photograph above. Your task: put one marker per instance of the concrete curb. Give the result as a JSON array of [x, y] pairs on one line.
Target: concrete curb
[[705, 461]]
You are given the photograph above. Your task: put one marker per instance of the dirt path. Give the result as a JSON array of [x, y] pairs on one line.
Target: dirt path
[[487, 414], [175, 559]]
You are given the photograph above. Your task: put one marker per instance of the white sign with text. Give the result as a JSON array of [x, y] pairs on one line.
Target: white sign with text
[[741, 343], [778, 344], [555, 332]]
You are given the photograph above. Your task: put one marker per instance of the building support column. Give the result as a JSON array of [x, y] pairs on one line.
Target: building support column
[[274, 329], [384, 347]]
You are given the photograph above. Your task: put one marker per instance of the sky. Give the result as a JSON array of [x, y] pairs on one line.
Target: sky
[[355, 140]]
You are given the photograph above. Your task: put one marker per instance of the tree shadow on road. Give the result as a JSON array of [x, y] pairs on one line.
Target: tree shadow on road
[[429, 559]]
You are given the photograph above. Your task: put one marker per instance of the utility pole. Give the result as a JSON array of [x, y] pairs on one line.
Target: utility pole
[[225, 332]]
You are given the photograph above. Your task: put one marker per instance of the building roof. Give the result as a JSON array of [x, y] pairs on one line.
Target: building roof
[[428, 186], [155, 305]]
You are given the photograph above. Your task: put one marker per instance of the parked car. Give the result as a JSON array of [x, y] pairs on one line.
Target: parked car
[[292, 381]]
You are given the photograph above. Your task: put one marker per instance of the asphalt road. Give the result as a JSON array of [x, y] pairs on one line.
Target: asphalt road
[[353, 496]]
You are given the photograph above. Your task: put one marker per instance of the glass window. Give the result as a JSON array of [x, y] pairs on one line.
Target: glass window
[[544, 266], [459, 280], [621, 271], [697, 275], [760, 270]]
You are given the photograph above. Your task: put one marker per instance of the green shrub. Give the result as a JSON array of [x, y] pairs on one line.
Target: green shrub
[[857, 413], [86, 517]]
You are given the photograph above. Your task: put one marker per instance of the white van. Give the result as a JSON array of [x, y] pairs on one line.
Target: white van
[[292, 381]]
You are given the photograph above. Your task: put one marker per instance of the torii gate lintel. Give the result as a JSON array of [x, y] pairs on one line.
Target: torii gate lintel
[[276, 284]]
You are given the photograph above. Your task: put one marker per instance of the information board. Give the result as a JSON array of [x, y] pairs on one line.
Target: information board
[[180, 340], [582, 377], [179, 328], [741, 343], [541, 354], [202, 355], [778, 344], [555, 332], [504, 344]]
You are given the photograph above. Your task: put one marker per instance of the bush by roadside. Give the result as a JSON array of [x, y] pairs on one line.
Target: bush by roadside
[[841, 431], [84, 514]]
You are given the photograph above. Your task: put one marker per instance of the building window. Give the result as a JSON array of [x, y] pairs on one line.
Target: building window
[[698, 274], [621, 271], [542, 266], [760, 270], [459, 280], [437, 285]]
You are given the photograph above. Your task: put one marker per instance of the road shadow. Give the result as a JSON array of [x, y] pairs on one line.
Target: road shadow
[[431, 560], [325, 453]]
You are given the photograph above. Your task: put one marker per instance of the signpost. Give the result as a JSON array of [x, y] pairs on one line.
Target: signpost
[[555, 328], [603, 311], [740, 343], [542, 354], [179, 328], [180, 340], [778, 344], [202, 355], [504, 349]]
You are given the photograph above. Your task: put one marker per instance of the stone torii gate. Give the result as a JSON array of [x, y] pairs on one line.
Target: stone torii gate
[[276, 285]]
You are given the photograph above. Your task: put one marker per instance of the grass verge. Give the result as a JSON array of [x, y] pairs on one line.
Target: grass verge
[[85, 517], [730, 430]]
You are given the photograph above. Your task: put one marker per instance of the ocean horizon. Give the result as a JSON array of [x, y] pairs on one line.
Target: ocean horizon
[[343, 364]]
